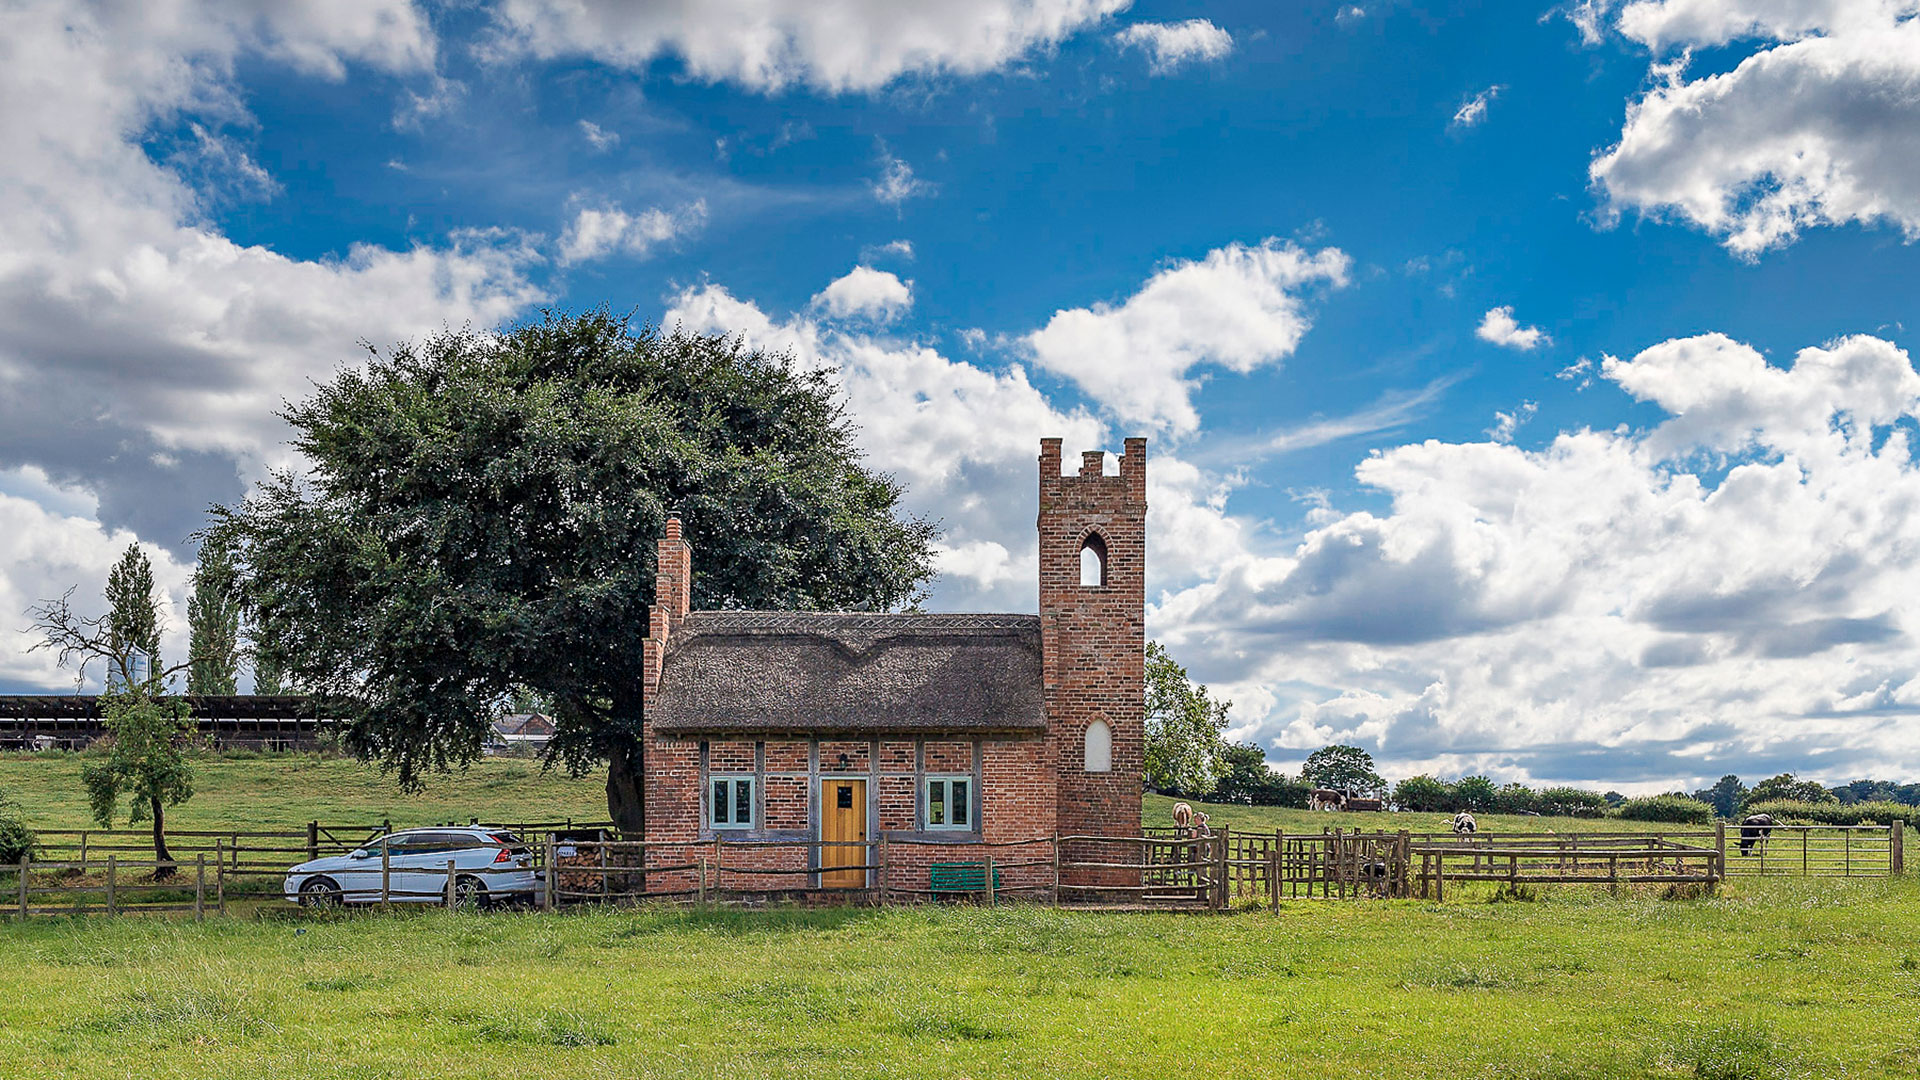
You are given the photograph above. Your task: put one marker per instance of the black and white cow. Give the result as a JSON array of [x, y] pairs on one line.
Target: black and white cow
[[1754, 830], [1464, 825]]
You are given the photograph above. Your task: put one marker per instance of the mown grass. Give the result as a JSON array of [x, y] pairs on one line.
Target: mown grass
[[285, 791], [1771, 979]]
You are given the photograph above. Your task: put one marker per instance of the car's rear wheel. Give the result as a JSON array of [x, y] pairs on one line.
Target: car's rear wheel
[[319, 892], [469, 892]]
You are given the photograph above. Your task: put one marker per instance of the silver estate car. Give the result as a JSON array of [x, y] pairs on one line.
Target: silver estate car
[[488, 864]]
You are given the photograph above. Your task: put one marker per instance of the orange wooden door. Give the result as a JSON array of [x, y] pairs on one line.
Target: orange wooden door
[[843, 819]]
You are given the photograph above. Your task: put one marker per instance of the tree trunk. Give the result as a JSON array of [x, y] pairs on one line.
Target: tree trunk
[[160, 852], [626, 788]]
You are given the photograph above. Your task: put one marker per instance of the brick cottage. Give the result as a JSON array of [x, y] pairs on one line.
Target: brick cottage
[[859, 729]]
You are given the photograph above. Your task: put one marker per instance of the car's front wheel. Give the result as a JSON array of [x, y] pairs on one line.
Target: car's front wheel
[[319, 892]]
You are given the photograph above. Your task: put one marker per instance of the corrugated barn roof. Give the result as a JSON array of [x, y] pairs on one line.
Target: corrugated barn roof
[[787, 672]]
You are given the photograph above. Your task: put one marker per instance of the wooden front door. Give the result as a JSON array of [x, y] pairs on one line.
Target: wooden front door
[[843, 819]]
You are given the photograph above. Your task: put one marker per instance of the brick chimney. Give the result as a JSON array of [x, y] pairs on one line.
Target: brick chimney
[[672, 598]]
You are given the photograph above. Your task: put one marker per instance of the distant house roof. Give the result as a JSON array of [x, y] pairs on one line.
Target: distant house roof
[[528, 725], [785, 672]]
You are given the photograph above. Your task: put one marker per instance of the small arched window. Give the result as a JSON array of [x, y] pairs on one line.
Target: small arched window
[[1093, 560], [1099, 747]]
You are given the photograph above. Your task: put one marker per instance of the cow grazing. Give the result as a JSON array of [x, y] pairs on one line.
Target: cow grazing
[[1326, 799], [1754, 830]]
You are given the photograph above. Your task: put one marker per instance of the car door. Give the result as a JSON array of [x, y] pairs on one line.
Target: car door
[[417, 865], [359, 879]]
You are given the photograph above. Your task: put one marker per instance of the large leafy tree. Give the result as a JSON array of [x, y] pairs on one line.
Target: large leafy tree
[[146, 763], [1343, 768], [1185, 748], [480, 519]]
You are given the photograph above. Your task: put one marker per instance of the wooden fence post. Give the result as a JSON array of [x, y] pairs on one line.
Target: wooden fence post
[[452, 900], [1220, 866], [200, 887], [113, 874], [1439, 877], [1273, 874], [219, 876], [386, 875], [989, 884], [1056, 870], [26, 864], [606, 883], [83, 851], [1719, 851], [1404, 865], [719, 865], [881, 874], [313, 840], [703, 881], [1897, 849], [551, 884]]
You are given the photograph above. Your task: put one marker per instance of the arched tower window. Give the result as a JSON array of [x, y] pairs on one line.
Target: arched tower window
[[1093, 560], [1099, 747]]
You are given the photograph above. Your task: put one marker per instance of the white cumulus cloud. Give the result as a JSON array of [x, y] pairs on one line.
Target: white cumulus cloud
[[1171, 46], [1819, 125], [1498, 327], [865, 293], [771, 45], [1732, 589], [599, 231], [1239, 308]]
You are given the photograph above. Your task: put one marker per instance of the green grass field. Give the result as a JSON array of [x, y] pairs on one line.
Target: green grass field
[[1785, 979], [1772, 978]]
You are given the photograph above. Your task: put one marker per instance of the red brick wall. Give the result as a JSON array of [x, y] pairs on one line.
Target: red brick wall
[[1094, 637]]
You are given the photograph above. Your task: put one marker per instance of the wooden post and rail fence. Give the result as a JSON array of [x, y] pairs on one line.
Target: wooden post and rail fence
[[93, 869]]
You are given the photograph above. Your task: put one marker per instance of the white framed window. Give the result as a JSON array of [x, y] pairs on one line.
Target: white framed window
[[949, 802], [1099, 747], [730, 804]]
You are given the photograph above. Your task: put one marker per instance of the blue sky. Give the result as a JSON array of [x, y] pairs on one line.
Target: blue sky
[[1469, 341]]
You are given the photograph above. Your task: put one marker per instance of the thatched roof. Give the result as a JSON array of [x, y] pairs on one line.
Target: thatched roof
[[781, 672]]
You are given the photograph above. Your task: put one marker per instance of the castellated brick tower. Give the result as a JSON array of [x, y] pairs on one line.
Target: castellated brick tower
[[1093, 563]]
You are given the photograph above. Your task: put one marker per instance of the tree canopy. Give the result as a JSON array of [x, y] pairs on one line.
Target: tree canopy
[[480, 519], [1185, 749], [1343, 768], [213, 623]]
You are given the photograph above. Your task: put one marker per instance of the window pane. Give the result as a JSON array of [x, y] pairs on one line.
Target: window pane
[[960, 807], [743, 802], [936, 802], [720, 803]]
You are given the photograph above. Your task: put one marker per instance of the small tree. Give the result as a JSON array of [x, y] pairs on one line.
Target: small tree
[[147, 764], [1423, 793], [1185, 750], [1247, 780], [1727, 795], [1344, 768], [16, 839], [1788, 788], [213, 621], [1474, 793]]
